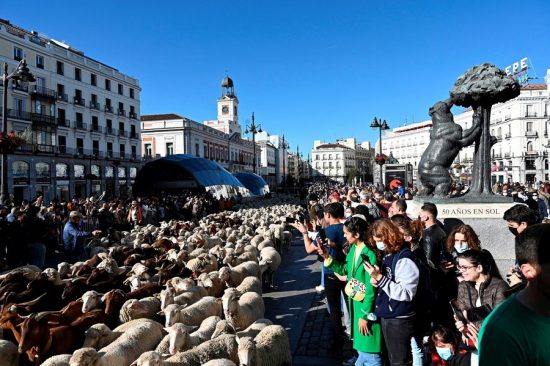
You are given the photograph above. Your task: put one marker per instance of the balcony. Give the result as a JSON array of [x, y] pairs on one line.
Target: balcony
[[530, 114], [506, 154], [95, 128], [79, 101], [44, 149], [123, 133], [497, 156], [110, 131], [42, 118], [43, 92], [499, 137], [134, 135], [531, 153], [62, 98], [17, 114], [121, 112], [108, 108], [133, 115], [19, 87], [95, 105], [508, 136], [79, 125], [531, 134], [507, 117], [63, 122]]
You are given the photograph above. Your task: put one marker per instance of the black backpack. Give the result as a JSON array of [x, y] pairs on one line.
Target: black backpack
[[424, 299]]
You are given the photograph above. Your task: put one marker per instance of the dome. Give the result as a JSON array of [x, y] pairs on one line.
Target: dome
[[227, 82]]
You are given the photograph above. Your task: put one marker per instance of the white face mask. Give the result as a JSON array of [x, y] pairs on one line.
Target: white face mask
[[380, 245], [347, 214], [461, 247]]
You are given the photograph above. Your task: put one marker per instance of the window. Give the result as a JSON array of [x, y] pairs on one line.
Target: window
[[529, 126], [134, 151], [132, 93], [93, 79], [40, 61], [95, 123], [122, 148], [121, 126], [169, 148], [80, 146], [148, 149], [77, 74], [17, 53], [60, 68], [529, 111], [107, 84], [95, 147], [197, 150], [530, 146], [109, 123], [110, 149], [120, 89]]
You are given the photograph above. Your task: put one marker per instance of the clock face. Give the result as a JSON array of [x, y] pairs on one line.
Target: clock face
[[225, 109]]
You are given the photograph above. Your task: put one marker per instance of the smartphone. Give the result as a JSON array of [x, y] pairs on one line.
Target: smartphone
[[290, 220], [365, 258], [457, 312]]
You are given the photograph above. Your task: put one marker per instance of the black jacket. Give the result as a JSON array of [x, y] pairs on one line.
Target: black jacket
[[433, 243]]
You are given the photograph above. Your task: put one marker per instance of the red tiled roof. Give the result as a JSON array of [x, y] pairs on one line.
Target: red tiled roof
[[160, 117], [534, 87]]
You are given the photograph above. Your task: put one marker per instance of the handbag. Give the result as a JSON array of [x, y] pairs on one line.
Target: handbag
[[355, 289]]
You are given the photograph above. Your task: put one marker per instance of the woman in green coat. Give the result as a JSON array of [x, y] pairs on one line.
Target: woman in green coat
[[365, 330]]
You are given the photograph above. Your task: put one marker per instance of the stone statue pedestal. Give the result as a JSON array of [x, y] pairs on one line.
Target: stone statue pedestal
[[484, 217]]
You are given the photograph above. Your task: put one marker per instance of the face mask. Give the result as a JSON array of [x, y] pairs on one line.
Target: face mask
[[513, 230], [380, 245], [461, 248], [444, 353]]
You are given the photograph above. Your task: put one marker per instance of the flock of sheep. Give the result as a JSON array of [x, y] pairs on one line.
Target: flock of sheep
[[184, 293]]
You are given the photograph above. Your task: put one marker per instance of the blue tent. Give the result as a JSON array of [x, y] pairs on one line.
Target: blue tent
[[254, 183], [185, 172]]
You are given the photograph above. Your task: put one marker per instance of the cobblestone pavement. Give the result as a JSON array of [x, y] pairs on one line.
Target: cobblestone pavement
[[296, 306]]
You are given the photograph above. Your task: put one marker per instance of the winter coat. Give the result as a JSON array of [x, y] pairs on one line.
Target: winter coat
[[360, 309], [492, 293]]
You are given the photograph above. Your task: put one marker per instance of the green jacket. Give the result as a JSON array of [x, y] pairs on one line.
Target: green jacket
[[370, 343]]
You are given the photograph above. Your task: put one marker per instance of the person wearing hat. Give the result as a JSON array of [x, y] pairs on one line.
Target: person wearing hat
[[73, 237]]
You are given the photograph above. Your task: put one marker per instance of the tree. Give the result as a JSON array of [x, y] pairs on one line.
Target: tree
[[480, 87]]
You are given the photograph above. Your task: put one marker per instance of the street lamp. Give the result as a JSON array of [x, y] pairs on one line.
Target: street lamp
[[254, 130], [381, 125], [21, 73], [285, 146]]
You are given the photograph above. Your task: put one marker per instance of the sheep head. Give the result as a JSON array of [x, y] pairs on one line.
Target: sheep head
[[246, 351]]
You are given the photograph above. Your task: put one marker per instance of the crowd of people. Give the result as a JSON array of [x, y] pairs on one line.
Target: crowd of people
[[413, 294], [33, 231]]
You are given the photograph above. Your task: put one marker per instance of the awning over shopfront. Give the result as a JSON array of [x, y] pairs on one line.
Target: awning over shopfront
[[254, 183]]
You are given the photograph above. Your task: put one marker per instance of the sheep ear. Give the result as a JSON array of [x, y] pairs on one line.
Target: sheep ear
[[219, 301], [161, 313]]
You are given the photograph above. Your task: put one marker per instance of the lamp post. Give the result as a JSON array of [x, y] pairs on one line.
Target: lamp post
[[254, 130], [285, 146], [381, 125], [21, 73]]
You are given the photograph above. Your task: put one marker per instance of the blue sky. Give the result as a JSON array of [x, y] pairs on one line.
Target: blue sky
[[308, 69]]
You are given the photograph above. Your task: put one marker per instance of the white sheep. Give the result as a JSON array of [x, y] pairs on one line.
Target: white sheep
[[132, 309], [270, 347], [57, 360], [224, 346], [254, 328], [213, 284], [235, 276], [100, 335], [270, 260], [250, 284], [124, 350], [223, 327], [9, 355], [244, 310], [194, 314], [182, 340], [266, 243], [90, 300], [220, 362]]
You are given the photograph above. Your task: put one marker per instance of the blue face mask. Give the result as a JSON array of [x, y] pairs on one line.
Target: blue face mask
[[444, 353], [380, 245], [461, 248]]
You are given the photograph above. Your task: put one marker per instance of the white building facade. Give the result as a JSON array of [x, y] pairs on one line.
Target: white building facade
[[520, 127], [84, 118], [219, 140]]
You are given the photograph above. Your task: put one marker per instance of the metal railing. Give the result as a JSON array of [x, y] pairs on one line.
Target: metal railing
[[133, 115], [42, 118], [80, 125], [121, 112], [63, 98], [108, 108], [95, 105], [43, 92], [79, 101], [111, 131], [531, 134]]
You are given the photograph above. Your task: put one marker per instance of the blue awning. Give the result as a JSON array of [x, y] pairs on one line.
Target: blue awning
[[182, 171], [255, 183]]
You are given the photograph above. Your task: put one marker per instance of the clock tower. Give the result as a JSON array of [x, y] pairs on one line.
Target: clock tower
[[228, 107]]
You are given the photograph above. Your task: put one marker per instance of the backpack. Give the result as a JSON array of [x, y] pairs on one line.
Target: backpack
[[424, 299]]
